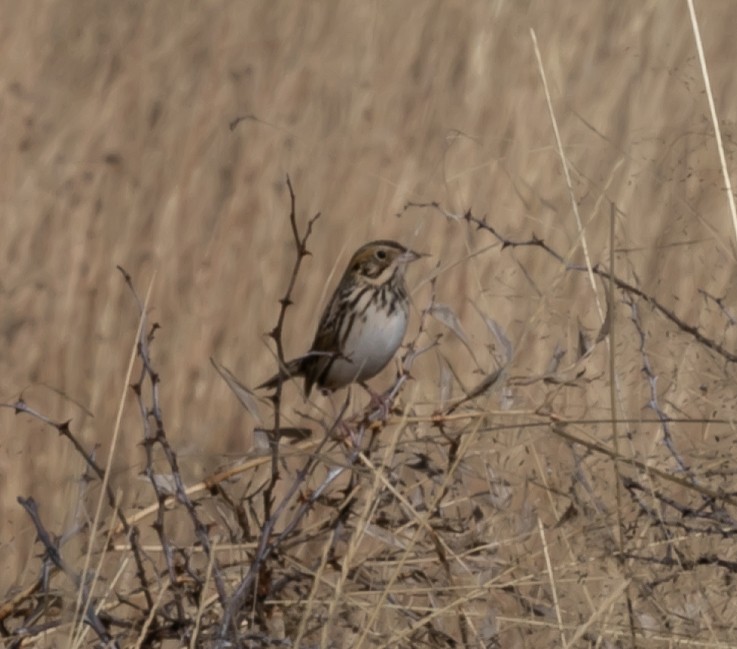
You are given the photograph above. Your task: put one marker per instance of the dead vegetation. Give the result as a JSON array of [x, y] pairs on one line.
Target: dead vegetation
[[557, 466]]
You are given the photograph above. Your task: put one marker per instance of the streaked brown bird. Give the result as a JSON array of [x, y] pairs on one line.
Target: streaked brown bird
[[364, 323]]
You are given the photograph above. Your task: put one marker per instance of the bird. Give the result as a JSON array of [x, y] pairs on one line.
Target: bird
[[362, 326]]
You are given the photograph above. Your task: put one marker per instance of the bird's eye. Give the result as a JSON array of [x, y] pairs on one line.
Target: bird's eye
[[381, 255]]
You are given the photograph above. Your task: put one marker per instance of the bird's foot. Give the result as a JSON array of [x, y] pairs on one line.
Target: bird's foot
[[380, 405]]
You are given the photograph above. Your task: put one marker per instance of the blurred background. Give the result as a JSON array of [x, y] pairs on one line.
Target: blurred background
[[122, 145]]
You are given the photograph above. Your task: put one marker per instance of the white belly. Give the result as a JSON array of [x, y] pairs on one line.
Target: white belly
[[368, 349]]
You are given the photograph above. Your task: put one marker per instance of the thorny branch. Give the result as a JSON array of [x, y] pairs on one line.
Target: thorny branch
[[629, 290], [64, 430], [157, 436], [267, 545], [653, 404], [300, 243], [710, 510], [534, 241], [52, 553], [131, 531]]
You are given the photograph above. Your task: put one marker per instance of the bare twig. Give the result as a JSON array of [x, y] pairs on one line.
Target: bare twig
[[64, 429], [692, 330], [654, 404], [53, 554], [156, 435], [267, 545], [300, 243]]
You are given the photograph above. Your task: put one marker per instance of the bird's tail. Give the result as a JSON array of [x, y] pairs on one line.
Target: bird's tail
[[293, 368]]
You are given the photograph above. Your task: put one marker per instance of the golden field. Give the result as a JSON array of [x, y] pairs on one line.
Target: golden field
[[122, 145]]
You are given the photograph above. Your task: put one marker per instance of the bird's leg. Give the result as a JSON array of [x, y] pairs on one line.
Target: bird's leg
[[345, 430], [380, 404]]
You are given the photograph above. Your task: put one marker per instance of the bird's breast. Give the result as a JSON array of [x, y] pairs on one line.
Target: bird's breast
[[369, 344]]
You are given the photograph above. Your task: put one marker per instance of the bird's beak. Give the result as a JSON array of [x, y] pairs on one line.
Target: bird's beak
[[408, 256]]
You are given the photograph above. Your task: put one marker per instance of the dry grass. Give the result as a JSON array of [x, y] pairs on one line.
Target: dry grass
[[117, 150]]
